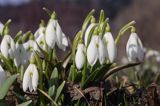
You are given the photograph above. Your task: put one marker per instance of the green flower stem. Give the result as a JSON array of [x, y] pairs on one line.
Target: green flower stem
[[21, 72], [84, 73], [101, 19], [123, 30], [104, 25], [87, 20]]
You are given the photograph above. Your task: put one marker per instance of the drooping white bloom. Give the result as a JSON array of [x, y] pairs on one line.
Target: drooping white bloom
[[54, 35], [2, 75], [134, 48], [87, 32], [30, 79], [111, 49], [21, 57], [8, 47], [96, 51], [80, 57]]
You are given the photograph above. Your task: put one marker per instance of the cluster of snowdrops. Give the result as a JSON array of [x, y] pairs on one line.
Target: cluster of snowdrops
[[30, 55]]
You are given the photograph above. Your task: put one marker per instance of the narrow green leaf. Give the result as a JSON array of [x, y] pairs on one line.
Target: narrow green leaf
[[6, 85], [25, 103], [59, 90], [51, 91], [54, 77]]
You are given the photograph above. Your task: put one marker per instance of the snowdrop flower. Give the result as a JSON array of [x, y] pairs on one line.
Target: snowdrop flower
[[8, 46], [30, 79], [88, 31], [2, 75], [134, 48], [111, 49], [54, 35], [80, 57], [20, 55], [95, 51]]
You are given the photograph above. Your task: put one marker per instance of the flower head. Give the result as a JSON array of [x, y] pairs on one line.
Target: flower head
[[96, 51], [54, 35], [134, 48], [8, 47], [30, 79], [80, 57]]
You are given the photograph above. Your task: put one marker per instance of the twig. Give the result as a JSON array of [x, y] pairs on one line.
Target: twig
[[81, 93]]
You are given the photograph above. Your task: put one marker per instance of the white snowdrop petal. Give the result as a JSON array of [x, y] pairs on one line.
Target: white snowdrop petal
[[59, 34], [101, 50], [35, 77], [87, 32], [92, 51], [51, 34], [4, 48], [26, 79], [111, 46], [80, 57]]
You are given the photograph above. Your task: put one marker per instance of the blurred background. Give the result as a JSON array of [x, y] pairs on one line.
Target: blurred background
[[26, 15]]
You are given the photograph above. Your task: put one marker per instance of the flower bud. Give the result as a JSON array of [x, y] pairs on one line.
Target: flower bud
[[80, 57]]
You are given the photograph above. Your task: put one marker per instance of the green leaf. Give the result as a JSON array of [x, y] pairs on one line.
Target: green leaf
[[54, 77], [59, 90], [53, 82], [6, 85], [7, 62], [51, 91], [25, 103]]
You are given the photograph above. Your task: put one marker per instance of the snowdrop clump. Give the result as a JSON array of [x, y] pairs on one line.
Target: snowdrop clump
[[32, 56]]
